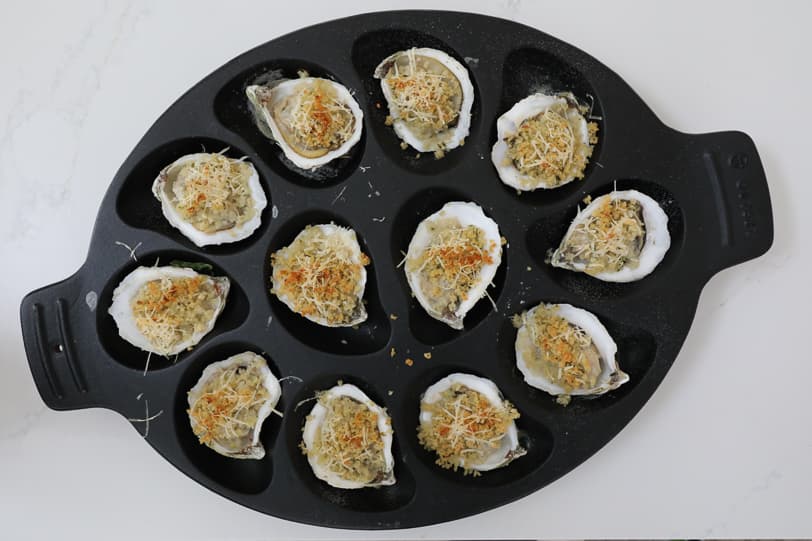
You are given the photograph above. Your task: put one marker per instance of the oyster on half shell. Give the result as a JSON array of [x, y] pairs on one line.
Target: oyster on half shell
[[229, 403], [211, 198], [348, 439], [467, 423], [566, 351], [313, 120], [452, 259], [430, 97], [619, 237], [166, 310]]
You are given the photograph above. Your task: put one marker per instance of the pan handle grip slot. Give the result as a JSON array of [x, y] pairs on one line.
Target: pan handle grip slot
[[58, 323], [743, 228]]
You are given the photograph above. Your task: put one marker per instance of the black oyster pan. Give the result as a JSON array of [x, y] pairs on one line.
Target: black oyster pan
[[711, 186]]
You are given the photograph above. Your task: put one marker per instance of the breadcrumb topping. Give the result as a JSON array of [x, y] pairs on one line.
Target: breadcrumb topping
[[227, 409], [465, 427], [546, 148], [608, 239], [212, 193], [169, 311], [314, 120], [319, 274], [557, 350], [424, 93], [451, 265], [349, 443]]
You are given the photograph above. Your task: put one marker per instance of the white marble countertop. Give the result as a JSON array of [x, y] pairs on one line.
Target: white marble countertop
[[722, 450]]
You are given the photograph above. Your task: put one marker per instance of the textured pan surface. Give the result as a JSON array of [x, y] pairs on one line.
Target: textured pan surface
[[712, 187]]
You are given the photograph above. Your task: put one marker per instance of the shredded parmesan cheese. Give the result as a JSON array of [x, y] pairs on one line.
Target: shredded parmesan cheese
[[227, 409], [465, 427], [450, 266], [608, 239], [212, 193], [169, 311], [349, 442], [319, 275], [559, 351]]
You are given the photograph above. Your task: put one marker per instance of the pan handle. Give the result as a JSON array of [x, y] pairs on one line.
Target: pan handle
[[63, 365], [743, 225]]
